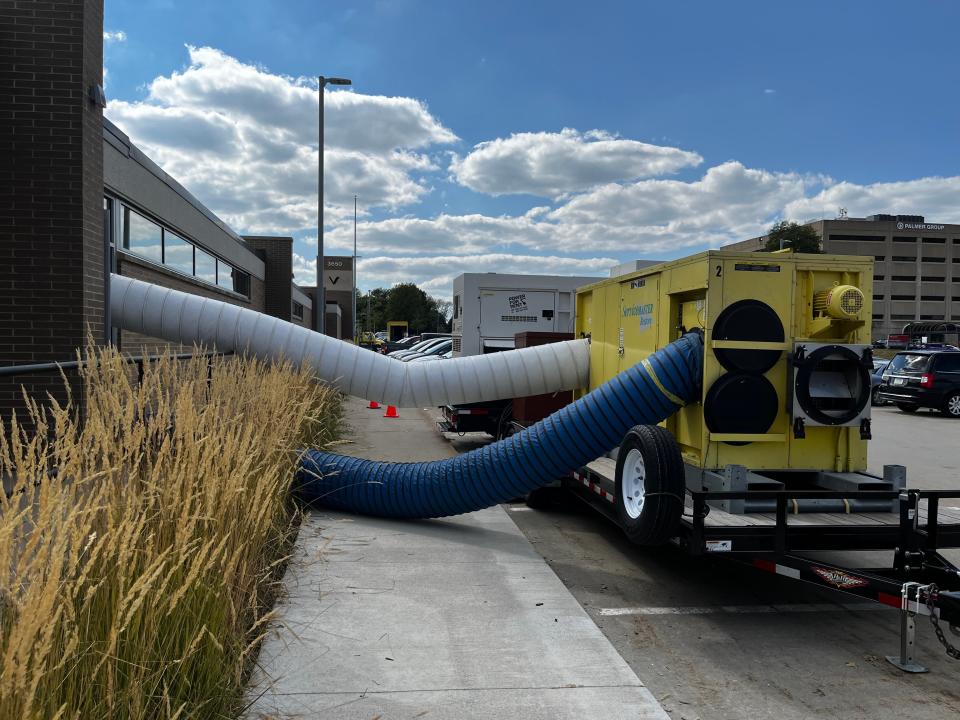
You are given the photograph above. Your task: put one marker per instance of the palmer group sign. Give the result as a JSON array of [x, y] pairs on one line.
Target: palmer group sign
[[917, 226]]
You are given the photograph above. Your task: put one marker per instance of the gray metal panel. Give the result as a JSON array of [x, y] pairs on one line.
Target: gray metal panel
[[301, 297], [131, 175]]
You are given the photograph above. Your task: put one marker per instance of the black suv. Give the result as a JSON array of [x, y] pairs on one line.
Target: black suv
[[923, 378]]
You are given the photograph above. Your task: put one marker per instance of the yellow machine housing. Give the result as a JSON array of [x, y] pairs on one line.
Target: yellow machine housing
[[822, 303]]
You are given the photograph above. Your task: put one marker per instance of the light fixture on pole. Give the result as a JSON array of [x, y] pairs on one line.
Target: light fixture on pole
[[320, 301]]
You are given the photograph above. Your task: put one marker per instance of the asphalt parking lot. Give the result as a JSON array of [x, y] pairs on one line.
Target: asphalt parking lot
[[712, 640]]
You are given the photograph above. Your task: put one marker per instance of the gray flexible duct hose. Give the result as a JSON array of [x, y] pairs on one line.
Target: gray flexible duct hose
[[642, 395], [193, 320]]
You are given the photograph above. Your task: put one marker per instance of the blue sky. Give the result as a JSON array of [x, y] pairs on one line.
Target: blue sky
[[542, 136]]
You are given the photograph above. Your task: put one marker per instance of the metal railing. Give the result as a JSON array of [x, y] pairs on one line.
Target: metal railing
[[139, 361]]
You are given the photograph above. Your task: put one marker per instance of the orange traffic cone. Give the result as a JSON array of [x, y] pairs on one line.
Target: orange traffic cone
[[374, 405], [391, 412]]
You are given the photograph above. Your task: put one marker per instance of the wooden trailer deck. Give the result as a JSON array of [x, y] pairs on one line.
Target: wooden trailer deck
[[947, 515]]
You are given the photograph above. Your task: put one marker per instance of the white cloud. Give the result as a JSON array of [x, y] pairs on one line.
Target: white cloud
[[244, 140], [435, 274], [642, 219], [114, 36], [552, 164], [933, 197]]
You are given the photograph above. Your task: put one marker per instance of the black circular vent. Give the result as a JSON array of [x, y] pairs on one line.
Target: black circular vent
[[748, 320], [740, 403], [832, 385]]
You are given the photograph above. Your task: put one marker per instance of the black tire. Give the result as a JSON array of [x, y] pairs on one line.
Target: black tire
[[656, 518], [907, 407], [541, 498], [951, 405], [875, 397]]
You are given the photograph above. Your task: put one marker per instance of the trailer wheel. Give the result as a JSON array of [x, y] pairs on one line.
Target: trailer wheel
[[649, 485]]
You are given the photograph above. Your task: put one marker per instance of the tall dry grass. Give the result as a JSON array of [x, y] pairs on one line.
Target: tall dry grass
[[139, 548]]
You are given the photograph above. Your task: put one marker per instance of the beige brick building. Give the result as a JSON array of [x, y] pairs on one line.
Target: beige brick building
[[916, 271]]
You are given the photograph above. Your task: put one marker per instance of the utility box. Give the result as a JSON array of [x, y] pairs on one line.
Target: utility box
[[489, 309], [786, 375], [531, 409]]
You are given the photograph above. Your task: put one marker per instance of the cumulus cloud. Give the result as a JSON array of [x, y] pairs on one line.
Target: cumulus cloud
[[552, 164], [244, 140], [435, 274], [114, 36], [934, 197], [642, 219]]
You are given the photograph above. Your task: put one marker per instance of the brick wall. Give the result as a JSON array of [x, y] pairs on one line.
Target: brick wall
[[277, 253], [129, 266], [51, 184]]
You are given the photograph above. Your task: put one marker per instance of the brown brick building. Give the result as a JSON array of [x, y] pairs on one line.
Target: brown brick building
[[78, 201]]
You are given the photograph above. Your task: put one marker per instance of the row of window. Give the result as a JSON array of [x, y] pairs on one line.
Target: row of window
[[926, 298], [881, 316], [896, 239], [297, 310], [155, 243]]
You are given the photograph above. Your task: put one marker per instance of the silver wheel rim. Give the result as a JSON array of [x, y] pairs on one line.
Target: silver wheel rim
[[633, 483], [953, 405]]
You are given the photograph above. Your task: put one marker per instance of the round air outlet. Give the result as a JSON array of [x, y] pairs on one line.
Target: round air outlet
[[832, 385], [748, 320], [740, 403]]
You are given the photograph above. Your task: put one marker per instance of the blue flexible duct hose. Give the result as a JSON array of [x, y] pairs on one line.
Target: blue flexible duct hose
[[582, 431]]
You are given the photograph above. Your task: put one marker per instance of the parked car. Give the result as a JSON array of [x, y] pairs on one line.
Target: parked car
[[437, 349], [923, 378], [876, 378], [416, 348]]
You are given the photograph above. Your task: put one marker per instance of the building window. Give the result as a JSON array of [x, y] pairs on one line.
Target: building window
[[901, 239], [934, 241], [931, 278], [879, 258], [241, 282], [859, 238], [937, 298], [141, 236], [878, 297], [933, 259], [904, 258], [879, 277], [904, 278], [901, 317], [903, 297], [931, 317], [456, 306], [297, 310], [224, 275], [150, 241], [177, 253], [206, 266], [878, 316]]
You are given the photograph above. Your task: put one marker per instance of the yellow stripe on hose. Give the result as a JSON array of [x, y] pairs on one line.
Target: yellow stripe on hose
[[656, 381]]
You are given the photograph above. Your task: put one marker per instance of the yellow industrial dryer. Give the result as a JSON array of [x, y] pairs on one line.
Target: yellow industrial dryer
[[786, 373]]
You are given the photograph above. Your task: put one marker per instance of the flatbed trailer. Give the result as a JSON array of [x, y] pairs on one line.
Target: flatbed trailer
[[921, 581]]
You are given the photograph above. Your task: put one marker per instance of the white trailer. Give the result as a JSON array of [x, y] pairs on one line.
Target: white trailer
[[490, 308]]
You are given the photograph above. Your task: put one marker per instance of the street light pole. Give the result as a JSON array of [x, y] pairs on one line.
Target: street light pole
[[353, 297], [320, 299]]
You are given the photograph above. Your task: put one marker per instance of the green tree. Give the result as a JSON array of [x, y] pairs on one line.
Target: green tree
[[792, 236], [403, 302]]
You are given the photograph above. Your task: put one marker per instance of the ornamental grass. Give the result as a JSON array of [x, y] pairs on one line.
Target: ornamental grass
[[143, 533]]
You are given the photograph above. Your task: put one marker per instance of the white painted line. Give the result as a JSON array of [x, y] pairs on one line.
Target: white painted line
[[742, 609]]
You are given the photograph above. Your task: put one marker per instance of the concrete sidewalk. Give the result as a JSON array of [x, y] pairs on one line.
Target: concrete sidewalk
[[453, 618]]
